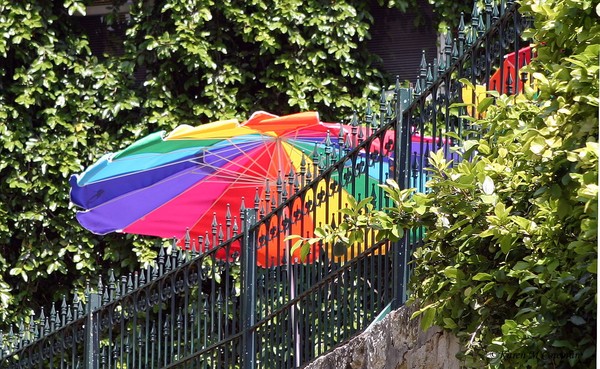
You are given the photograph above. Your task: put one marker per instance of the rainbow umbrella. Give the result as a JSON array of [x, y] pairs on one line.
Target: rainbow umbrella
[[166, 184]]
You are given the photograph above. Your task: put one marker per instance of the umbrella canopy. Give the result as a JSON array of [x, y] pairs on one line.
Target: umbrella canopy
[[165, 184]]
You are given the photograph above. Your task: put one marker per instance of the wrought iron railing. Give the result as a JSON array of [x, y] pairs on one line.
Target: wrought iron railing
[[212, 306]]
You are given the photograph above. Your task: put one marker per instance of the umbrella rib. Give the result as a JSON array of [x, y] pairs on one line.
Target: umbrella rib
[[125, 159], [147, 156], [251, 159], [235, 181], [237, 178]]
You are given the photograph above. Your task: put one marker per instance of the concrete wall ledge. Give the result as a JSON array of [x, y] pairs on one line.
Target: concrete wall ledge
[[395, 342]]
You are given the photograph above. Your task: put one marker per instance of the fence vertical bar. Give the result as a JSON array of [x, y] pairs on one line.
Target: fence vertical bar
[[92, 332], [402, 157], [249, 291]]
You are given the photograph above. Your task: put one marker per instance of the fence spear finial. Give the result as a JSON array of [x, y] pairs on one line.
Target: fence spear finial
[[347, 144], [429, 77], [130, 282], [214, 223], [368, 113], [186, 240], [256, 200], [423, 70], [267, 192], [53, 321], [418, 89], [161, 261], [455, 53], [228, 220], [523, 65], [354, 125], [315, 155], [474, 12], [206, 242], [448, 44], [481, 27], [495, 13], [142, 278], [509, 82], [63, 311]]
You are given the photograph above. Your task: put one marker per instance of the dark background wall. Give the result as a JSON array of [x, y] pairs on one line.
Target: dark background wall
[[399, 38]]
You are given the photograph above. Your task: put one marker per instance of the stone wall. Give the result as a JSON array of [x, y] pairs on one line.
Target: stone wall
[[395, 342]]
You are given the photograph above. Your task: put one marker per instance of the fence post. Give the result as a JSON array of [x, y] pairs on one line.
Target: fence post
[[403, 139], [249, 291], [400, 249], [92, 334]]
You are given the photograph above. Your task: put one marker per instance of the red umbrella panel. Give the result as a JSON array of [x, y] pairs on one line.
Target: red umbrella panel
[[507, 79]]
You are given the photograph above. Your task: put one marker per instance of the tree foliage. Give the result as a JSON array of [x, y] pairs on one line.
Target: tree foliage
[[509, 262], [58, 108]]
